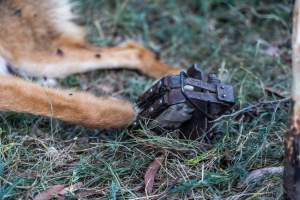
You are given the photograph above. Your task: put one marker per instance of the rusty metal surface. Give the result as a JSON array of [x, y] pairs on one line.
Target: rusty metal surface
[[207, 96]]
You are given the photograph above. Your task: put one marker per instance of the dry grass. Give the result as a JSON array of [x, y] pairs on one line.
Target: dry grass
[[249, 41]]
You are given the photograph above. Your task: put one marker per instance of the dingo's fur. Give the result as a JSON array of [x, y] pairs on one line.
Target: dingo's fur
[[38, 38]]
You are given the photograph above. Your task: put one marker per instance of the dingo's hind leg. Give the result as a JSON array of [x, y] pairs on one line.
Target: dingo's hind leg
[[68, 59]]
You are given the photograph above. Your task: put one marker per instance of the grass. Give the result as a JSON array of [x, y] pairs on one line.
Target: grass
[[235, 37]]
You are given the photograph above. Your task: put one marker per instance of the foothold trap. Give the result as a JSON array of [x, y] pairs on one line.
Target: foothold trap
[[187, 102]]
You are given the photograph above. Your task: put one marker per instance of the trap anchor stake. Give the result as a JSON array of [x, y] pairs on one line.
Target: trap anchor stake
[[191, 93]]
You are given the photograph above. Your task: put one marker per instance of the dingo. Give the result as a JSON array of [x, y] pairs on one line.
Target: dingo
[[38, 38]]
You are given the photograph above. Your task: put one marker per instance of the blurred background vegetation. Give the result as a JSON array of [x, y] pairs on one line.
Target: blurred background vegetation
[[246, 42]]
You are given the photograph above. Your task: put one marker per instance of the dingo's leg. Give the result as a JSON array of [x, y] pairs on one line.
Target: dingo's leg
[[67, 59], [81, 108]]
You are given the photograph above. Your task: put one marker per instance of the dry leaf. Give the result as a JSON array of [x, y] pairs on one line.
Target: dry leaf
[[49, 193], [151, 173]]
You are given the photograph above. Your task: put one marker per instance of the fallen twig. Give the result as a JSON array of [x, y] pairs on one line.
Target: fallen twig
[[249, 108], [258, 173], [278, 93]]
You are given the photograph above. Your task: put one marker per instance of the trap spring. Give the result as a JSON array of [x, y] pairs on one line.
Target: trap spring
[[186, 101]]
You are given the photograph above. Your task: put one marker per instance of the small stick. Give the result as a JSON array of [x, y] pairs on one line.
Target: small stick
[[249, 108], [259, 173]]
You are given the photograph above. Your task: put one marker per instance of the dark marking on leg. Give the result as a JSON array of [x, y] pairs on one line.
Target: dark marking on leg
[[98, 55], [18, 13], [157, 55], [60, 52], [11, 70], [141, 55]]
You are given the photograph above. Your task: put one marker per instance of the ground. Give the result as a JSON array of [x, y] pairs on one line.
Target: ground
[[247, 42]]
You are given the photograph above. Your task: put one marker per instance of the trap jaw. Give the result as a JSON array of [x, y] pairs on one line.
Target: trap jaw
[[207, 97]]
